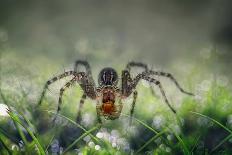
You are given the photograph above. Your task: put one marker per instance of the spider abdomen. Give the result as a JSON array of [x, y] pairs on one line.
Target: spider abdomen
[[108, 108]]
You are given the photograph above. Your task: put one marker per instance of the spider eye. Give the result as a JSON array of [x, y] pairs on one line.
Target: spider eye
[[107, 76]]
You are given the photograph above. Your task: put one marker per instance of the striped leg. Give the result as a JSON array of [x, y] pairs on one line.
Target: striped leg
[[135, 94], [133, 64], [136, 64], [152, 80], [86, 65], [54, 79], [168, 75], [67, 85], [82, 101], [89, 85]]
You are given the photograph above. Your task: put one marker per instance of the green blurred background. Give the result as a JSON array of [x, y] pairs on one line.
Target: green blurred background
[[190, 39]]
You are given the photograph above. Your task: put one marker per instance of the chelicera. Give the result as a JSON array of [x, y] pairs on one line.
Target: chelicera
[[108, 93]]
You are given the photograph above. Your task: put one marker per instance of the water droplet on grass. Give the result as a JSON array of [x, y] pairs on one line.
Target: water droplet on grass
[[99, 135], [97, 147], [91, 144], [4, 110]]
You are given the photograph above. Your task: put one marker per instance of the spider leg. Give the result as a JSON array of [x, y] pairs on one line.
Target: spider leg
[[135, 94], [86, 65], [82, 101], [98, 109], [89, 85], [126, 83], [156, 82], [133, 64], [62, 91], [136, 64], [61, 95], [54, 79], [170, 76]]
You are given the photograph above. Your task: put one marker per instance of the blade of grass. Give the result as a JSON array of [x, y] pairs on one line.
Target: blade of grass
[[21, 133], [12, 139], [213, 120], [78, 125], [150, 128], [17, 120], [221, 143], [195, 143], [219, 124], [49, 143], [151, 140], [82, 136], [141, 122], [4, 145], [185, 148], [15, 123]]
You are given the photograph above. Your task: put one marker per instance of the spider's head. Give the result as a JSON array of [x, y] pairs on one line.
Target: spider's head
[[108, 76]]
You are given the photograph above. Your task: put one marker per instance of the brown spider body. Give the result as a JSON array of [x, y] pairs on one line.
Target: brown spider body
[[108, 101], [108, 94]]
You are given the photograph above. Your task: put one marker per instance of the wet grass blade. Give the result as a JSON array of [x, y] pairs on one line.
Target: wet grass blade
[[11, 138], [4, 145], [195, 143], [16, 119], [144, 124], [82, 136], [148, 127], [185, 148], [221, 143], [213, 120], [151, 140], [219, 124], [78, 125]]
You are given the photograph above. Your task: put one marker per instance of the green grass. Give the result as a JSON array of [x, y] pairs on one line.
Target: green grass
[[182, 142], [202, 126]]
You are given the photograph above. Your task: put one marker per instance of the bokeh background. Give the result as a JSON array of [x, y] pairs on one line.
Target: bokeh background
[[191, 39]]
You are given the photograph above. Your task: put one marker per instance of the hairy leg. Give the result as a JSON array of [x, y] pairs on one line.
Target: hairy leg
[[67, 85], [54, 79], [135, 94], [144, 66], [82, 101], [170, 76], [86, 65], [156, 82], [98, 113]]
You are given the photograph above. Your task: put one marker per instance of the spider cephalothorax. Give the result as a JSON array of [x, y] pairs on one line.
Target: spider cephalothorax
[[108, 76], [108, 94]]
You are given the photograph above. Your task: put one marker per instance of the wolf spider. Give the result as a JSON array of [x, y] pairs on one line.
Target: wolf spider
[[107, 93]]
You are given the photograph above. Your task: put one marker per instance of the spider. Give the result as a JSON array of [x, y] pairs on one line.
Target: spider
[[108, 94]]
